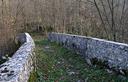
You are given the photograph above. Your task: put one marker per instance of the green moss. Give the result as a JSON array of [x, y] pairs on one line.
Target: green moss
[[33, 77]]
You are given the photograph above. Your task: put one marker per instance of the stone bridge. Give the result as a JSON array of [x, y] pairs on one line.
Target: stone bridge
[[111, 54]]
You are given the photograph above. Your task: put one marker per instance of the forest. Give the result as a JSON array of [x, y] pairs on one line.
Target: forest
[[105, 19]]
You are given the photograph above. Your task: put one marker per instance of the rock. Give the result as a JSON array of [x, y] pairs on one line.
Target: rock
[[85, 80], [47, 47], [109, 71], [122, 72], [88, 62], [71, 73], [3, 57]]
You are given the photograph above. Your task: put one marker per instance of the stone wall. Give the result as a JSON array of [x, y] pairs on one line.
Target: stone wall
[[113, 55], [18, 68]]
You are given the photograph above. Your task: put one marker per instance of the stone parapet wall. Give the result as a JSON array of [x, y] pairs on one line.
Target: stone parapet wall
[[18, 67], [114, 55]]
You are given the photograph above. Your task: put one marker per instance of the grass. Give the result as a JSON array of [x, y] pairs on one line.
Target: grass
[[57, 64]]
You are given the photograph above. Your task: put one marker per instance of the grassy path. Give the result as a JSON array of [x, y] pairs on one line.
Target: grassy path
[[57, 64]]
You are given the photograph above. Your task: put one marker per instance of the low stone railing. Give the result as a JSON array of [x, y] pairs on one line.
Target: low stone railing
[[19, 67], [111, 54]]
